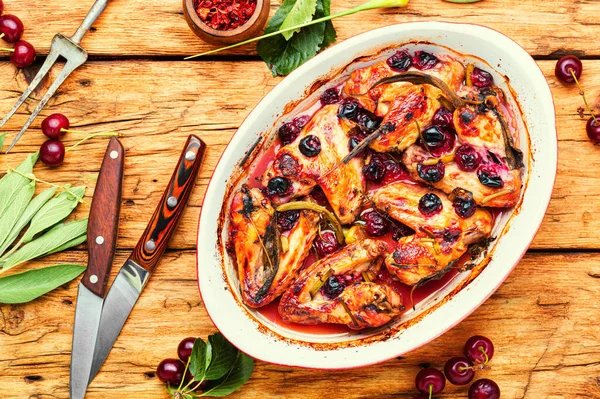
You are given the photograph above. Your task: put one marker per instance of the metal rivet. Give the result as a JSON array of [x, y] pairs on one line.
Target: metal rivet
[[190, 155], [172, 202], [99, 240], [93, 279], [114, 154], [150, 246]]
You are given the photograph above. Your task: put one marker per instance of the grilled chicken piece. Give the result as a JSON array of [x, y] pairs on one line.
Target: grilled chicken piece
[[483, 132], [343, 187], [362, 80], [439, 240], [265, 269], [332, 290]]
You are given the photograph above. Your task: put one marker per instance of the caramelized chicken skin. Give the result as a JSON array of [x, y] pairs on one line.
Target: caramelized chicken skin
[[265, 269], [439, 240], [332, 290], [343, 186]]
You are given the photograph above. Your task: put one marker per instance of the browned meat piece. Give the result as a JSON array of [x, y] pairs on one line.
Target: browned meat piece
[[332, 290], [343, 187], [481, 134], [439, 240], [265, 269]]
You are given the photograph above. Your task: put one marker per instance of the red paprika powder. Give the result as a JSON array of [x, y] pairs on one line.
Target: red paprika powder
[[224, 14]]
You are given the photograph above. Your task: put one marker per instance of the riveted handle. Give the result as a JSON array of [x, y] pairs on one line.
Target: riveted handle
[[104, 219], [154, 241]]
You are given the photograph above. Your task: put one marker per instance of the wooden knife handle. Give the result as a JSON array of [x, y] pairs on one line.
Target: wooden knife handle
[[154, 241], [104, 219]]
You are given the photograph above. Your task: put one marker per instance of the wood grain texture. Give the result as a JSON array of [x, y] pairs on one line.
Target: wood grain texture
[[543, 321], [158, 28], [155, 117], [105, 210]]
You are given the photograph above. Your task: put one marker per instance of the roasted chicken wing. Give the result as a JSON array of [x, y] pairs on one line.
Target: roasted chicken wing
[[265, 267], [440, 239], [334, 290], [298, 167]]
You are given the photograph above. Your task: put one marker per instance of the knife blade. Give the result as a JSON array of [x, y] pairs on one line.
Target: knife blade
[[102, 236], [134, 274]]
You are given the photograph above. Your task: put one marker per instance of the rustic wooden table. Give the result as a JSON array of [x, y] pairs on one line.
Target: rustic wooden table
[[543, 319]]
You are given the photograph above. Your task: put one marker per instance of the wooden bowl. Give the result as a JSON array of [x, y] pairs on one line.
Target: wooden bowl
[[252, 28]]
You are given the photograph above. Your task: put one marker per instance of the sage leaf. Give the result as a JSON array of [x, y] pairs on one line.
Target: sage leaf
[[2, 137], [73, 243], [223, 357], [27, 286], [200, 360], [237, 376], [33, 207], [12, 182], [301, 12], [14, 211], [53, 212], [54, 239]]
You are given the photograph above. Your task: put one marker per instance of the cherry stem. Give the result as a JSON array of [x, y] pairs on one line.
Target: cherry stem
[[32, 177], [114, 134], [430, 391], [10, 50], [482, 350], [582, 93], [187, 364], [72, 131], [1, 35]]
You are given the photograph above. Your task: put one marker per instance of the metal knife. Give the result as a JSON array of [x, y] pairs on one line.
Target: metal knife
[[102, 236], [134, 274]]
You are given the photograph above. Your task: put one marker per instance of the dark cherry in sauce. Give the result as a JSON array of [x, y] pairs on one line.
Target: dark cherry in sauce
[[289, 131], [287, 220], [431, 173], [330, 96], [430, 204], [489, 177], [467, 158], [400, 61], [326, 243], [465, 208], [310, 146], [423, 60], [376, 225], [481, 78], [278, 186], [333, 287], [442, 117]]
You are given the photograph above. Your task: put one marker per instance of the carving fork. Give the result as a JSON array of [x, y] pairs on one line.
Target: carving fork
[[71, 51]]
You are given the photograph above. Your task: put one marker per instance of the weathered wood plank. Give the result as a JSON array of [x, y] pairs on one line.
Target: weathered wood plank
[[542, 320], [155, 105], [158, 28]]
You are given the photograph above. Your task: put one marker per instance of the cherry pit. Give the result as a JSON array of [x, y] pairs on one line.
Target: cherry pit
[[460, 370]]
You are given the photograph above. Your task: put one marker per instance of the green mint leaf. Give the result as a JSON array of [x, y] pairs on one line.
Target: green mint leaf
[[27, 286], [2, 137], [301, 12], [12, 182], [330, 35], [223, 357], [33, 207], [14, 211], [55, 238], [201, 358], [238, 375], [53, 212]]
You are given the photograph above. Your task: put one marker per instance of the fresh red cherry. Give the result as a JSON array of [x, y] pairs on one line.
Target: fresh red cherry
[[430, 381], [484, 389], [55, 126], [23, 54], [11, 28], [170, 371], [565, 65], [52, 152], [479, 349], [592, 129], [459, 371], [185, 347]]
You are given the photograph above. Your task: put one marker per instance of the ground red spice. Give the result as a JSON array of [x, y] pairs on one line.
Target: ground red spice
[[224, 14]]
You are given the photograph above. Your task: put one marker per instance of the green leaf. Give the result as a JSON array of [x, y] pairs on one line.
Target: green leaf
[[33, 207], [2, 137], [238, 375], [201, 357], [14, 211], [25, 287], [330, 35], [73, 243], [12, 182], [56, 238], [301, 12], [223, 356], [53, 212]]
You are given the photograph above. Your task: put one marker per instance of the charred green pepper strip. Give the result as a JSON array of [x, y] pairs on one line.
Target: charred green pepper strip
[[301, 205]]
